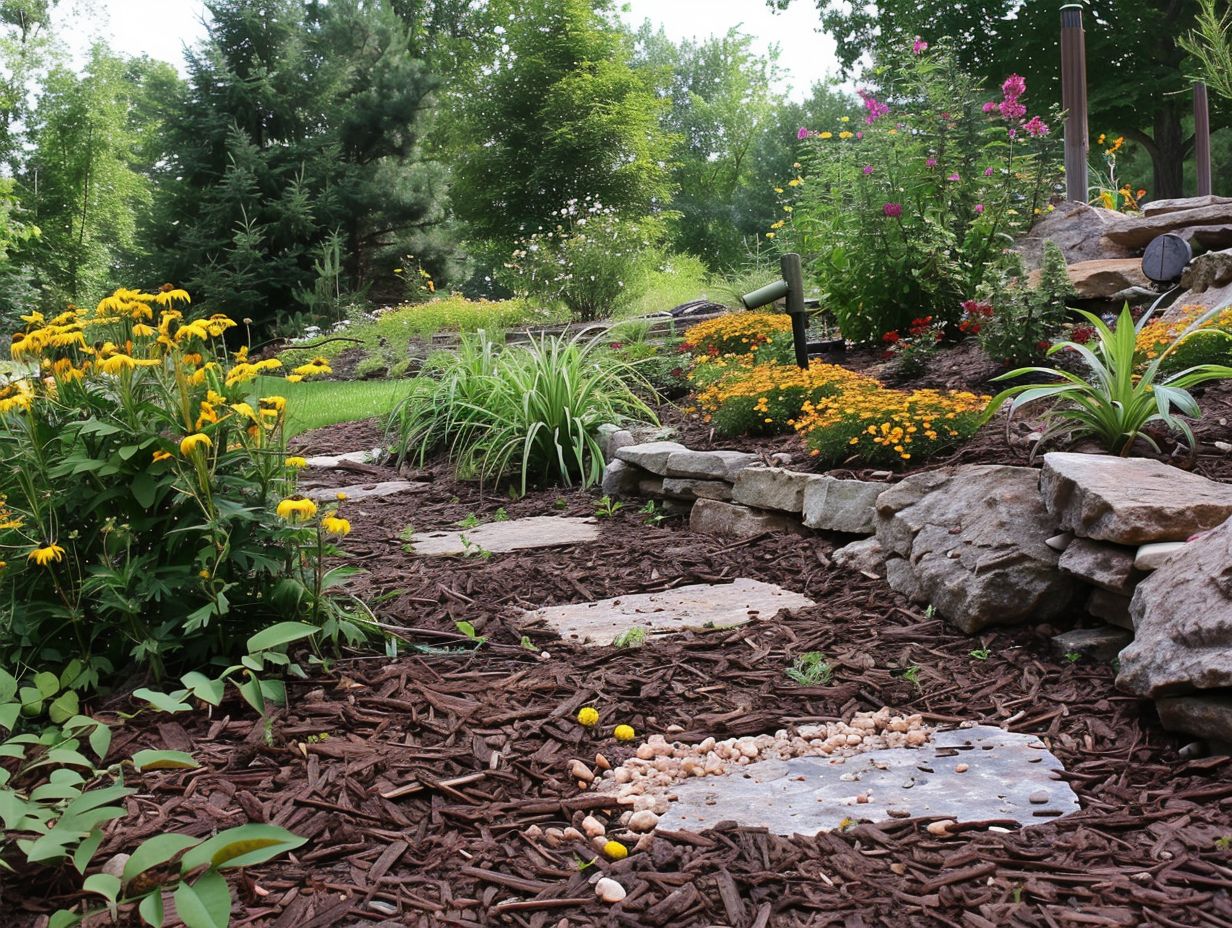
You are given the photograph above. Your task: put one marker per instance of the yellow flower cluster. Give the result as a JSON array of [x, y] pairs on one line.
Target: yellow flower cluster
[[1211, 343], [884, 426], [738, 333], [767, 398]]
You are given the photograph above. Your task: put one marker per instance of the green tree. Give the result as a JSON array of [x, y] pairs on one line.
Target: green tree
[[1210, 44], [300, 122], [1136, 83], [560, 116], [25, 50]]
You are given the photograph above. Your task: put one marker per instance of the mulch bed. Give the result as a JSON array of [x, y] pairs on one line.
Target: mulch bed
[[434, 764]]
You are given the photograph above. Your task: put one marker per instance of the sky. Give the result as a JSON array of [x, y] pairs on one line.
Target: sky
[[161, 29]]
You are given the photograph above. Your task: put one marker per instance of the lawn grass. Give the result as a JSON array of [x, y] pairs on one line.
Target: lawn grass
[[313, 404]]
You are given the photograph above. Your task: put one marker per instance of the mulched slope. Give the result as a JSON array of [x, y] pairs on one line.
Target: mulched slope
[[478, 742]]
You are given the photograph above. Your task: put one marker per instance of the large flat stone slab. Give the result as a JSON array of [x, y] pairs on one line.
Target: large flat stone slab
[[698, 606], [835, 505], [502, 537], [1130, 501], [331, 461], [729, 520], [1009, 777], [709, 465], [366, 490], [1138, 231], [651, 455]]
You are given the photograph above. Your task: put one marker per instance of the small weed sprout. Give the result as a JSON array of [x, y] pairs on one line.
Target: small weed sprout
[[472, 548], [930, 611], [467, 629], [607, 507], [408, 533], [501, 515], [633, 637], [811, 669], [981, 654], [654, 515], [561, 503], [1073, 656], [912, 676], [471, 521], [527, 645]]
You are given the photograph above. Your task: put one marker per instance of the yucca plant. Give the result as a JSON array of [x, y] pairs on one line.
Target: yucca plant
[[529, 414], [1120, 396]]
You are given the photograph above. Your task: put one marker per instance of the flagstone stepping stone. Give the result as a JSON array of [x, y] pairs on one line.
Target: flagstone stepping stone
[[698, 606], [980, 774], [364, 491], [502, 537], [331, 461]]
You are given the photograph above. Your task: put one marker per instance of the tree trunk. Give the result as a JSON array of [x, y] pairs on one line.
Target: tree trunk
[[1169, 154]]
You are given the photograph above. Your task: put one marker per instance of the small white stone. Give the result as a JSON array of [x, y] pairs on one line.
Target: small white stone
[[642, 821], [1153, 556], [609, 890], [579, 771], [592, 827], [1060, 542]]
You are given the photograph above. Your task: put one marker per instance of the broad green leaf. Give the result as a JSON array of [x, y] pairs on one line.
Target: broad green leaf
[[100, 740], [85, 851], [202, 687], [9, 713], [63, 918], [250, 689], [164, 702], [8, 686], [151, 908], [105, 885], [242, 846], [156, 851], [274, 691], [280, 634], [145, 489], [48, 684], [205, 903], [164, 760], [64, 708]]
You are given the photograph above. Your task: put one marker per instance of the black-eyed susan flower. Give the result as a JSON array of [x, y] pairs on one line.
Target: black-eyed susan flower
[[159, 456], [334, 524], [45, 556], [588, 716], [15, 396], [190, 443], [295, 462], [624, 733], [296, 509]]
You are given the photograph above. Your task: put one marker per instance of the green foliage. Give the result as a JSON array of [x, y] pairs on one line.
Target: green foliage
[[905, 219], [1117, 399], [529, 414], [652, 514], [299, 121], [1017, 324], [1210, 45], [810, 669], [560, 117], [633, 637], [606, 507], [150, 513], [592, 259]]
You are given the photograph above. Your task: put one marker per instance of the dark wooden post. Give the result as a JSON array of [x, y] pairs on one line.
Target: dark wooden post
[[794, 277], [1202, 139], [1074, 100]]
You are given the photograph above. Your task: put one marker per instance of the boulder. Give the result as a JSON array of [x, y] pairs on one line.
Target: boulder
[[1182, 204], [715, 517], [1207, 238], [709, 465], [621, 479], [1101, 644], [1208, 271], [1183, 622], [1130, 501], [612, 438], [772, 488], [1208, 717], [1113, 608], [1153, 556], [1104, 278], [863, 555], [1210, 298], [686, 488], [1110, 567], [1136, 232], [1078, 230], [651, 455], [835, 505], [973, 538]]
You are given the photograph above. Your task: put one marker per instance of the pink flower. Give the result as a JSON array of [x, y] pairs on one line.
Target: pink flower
[[954, 177], [892, 210], [988, 172], [802, 134], [1012, 109], [979, 209], [1036, 127], [931, 162], [876, 109], [868, 169], [859, 135], [990, 106], [1013, 133], [919, 46], [1014, 87]]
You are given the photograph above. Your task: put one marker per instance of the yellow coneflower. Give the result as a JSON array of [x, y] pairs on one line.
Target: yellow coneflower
[[141, 330], [340, 496], [294, 378], [168, 294], [333, 524], [15, 396], [272, 405], [297, 463], [244, 410], [160, 456], [296, 509], [46, 555], [190, 443]]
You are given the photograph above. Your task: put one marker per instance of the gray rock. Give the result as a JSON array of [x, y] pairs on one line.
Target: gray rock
[[1113, 608], [835, 505], [1078, 230], [1206, 716], [364, 491], [1138, 231], [502, 537], [1105, 277], [1130, 501], [1207, 238], [715, 517], [620, 480], [863, 555], [1108, 566], [1154, 556], [902, 579], [771, 488], [612, 438], [1101, 644], [975, 539], [1213, 269], [1182, 204], [685, 488], [1183, 622], [1210, 298], [650, 486], [651, 456], [709, 465]]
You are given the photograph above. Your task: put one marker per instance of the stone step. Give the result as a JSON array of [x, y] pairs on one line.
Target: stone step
[[366, 490], [333, 461], [503, 537], [697, 607]]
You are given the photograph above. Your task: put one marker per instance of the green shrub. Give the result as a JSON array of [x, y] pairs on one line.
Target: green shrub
[[596, 262], [902, 214], [528, 413], [148, 507], [1017, 323], [1118, 399]]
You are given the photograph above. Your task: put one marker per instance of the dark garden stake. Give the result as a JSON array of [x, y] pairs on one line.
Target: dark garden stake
[[791, 287], [1074, 100]]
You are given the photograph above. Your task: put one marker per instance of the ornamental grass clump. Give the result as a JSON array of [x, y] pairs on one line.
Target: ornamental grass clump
[[148, 509], [1121, 395], [527, 414]]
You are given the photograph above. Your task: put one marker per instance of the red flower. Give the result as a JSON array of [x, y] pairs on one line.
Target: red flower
[[1082, 334], [890, 338], [1043, 345]]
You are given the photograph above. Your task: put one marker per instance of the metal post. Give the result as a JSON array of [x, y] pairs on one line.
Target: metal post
[[1074, 100], [1202, 139], [790, 265]]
